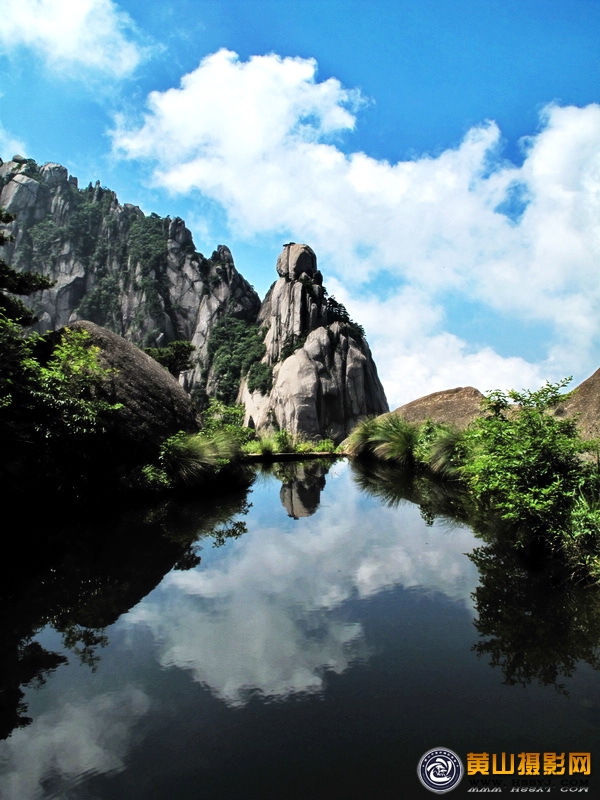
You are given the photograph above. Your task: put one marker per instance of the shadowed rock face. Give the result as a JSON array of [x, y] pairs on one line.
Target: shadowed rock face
[[139, 276], [154, 405], [324, 377], [456, 407]]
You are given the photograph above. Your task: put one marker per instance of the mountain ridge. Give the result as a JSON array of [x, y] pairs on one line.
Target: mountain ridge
[[296, 360]]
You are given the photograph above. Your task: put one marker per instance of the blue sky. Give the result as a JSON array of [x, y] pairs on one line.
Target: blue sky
[[442, 157]]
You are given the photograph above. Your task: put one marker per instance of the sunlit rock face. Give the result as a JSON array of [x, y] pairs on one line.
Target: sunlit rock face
[[324, 377], [457, 407], [583, 405], [141, 277]]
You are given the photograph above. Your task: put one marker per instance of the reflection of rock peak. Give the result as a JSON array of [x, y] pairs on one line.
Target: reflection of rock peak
[[300, 493]]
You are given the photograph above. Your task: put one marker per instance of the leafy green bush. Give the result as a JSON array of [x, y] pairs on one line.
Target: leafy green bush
[[191, 459], [387, 438], [520, 468], [523, 462], [174, 357]]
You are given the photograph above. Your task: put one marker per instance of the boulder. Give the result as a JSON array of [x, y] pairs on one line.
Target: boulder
[[154, 405]]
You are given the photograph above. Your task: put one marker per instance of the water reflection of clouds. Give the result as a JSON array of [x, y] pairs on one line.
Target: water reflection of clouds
[[81, 737], [262, 616]]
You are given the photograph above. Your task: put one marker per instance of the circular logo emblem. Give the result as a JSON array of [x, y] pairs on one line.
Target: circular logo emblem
[[440, 770]]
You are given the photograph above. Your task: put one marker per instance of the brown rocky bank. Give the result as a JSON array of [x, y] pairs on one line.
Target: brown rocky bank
[[462, 405]]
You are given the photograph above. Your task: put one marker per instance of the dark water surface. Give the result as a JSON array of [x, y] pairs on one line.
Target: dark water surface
[[311, 657]]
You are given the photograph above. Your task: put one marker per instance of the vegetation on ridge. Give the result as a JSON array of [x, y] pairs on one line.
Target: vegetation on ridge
[[520, 471]]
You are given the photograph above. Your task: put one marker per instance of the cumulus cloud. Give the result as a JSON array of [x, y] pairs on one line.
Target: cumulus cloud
[[416, 356], [10, 144], [263, 615], [91, 34], [265, 139], [82, 736]]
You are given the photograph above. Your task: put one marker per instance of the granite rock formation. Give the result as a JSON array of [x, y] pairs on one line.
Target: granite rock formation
[[139, 276], [324, 377], [583, 404], [297, 361]]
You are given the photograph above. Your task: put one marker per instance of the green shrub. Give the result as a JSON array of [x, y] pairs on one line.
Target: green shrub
[[191, 459], [175, 357], [260, 378]]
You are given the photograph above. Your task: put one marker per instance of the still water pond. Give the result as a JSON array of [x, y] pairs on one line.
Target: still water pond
[[326, 640]]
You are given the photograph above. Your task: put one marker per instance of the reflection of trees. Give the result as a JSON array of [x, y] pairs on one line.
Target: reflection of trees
[[302, 484], [81, 576], [534, 620], [394, 485], [22, 663], [535, 624]]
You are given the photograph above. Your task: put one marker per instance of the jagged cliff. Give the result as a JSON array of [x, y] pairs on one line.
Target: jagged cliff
[[296, 361], [140, 276]]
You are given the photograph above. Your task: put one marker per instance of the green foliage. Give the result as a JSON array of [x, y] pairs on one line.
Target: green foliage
[[260, 378], [291, 344], [520, 469], [221, 418], [358, 443], [63, 390], [190, 460], [52, 411], [233, 347], [148, 243], [441, 449], [176, 357], [336, 312], [101, 305], [387, 438], [524, 463]]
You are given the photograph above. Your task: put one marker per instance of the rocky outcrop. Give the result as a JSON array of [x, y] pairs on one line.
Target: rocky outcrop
[[324, 377], [153, 405], [298, 360], [583, 404], [139, 276], [456, 407], [295, 304]]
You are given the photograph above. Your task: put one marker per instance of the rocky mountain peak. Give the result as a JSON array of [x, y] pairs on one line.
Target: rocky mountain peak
[[324, 377], [297, 361], [296, 261]]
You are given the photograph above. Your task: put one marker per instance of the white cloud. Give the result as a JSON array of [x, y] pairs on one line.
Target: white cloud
[[258, 137], [73, 34], [262, 615], [415, 356], [82, 736], [9, 144]]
